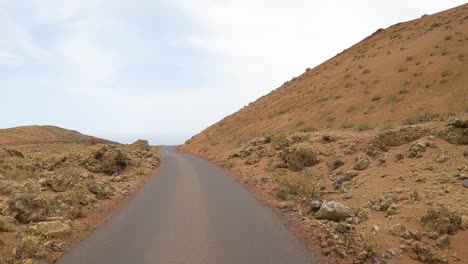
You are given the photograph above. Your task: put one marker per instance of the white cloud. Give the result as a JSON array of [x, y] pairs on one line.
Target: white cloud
[[87, 61]]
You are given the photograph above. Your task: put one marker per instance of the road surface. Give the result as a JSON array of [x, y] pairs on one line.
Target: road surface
[[190, 212]]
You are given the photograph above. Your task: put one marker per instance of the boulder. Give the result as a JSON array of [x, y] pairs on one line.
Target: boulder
[[53, 229], [335, 211], [28, 207], [141, 144], [296, 158], [107, 159]]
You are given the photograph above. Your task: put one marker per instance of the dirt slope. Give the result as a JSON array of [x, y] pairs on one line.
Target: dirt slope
[[42, 134], [408, 72], [367, 153]]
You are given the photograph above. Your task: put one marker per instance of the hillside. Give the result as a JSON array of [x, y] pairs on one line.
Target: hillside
[[410, 72], [57, 185], [366, 154], [42, 134]]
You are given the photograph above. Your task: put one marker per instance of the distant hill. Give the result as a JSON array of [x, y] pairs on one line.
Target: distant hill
[[43, 134], [408, 73]]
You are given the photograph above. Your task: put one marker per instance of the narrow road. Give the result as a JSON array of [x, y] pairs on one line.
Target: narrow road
[[190, 212]]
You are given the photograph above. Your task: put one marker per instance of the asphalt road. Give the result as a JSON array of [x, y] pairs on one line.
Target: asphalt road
[[190, 212]]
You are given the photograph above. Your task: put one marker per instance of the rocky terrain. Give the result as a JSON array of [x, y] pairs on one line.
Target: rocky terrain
[[391, 196], [52, 195], [366, 154]]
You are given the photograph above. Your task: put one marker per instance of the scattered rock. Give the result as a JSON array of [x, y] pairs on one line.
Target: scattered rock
[[383, 202], [286, 206], [442, 158], [328, 138], [465, 152], [392, 209], [53, 229], [361, 163], [397, 230], [61, 182], [375, 228], [349, 174], [460, 122], [343, 228], [398, 157], [332, 210], [440, 219], [101, 191], [416, 150], [252, 159], [315, 205], [399, 136], [464, 222], [443, 241], [465, 183], [423, 253], [411, 235]]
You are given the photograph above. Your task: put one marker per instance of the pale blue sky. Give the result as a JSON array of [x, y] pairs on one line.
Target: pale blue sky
[[165, 70]]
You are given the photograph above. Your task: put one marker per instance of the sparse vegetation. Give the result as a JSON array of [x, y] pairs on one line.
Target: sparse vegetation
[[346, 125], [445, 73], [418, 119], [403, 91], [362, 127], [351, 109], [392, 99], [443, 52]]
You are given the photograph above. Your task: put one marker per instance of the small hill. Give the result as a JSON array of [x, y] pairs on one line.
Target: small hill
[[42, 134], [409, 73]]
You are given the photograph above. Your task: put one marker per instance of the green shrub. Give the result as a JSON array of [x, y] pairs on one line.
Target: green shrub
[[29, 246], [296, 186]]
